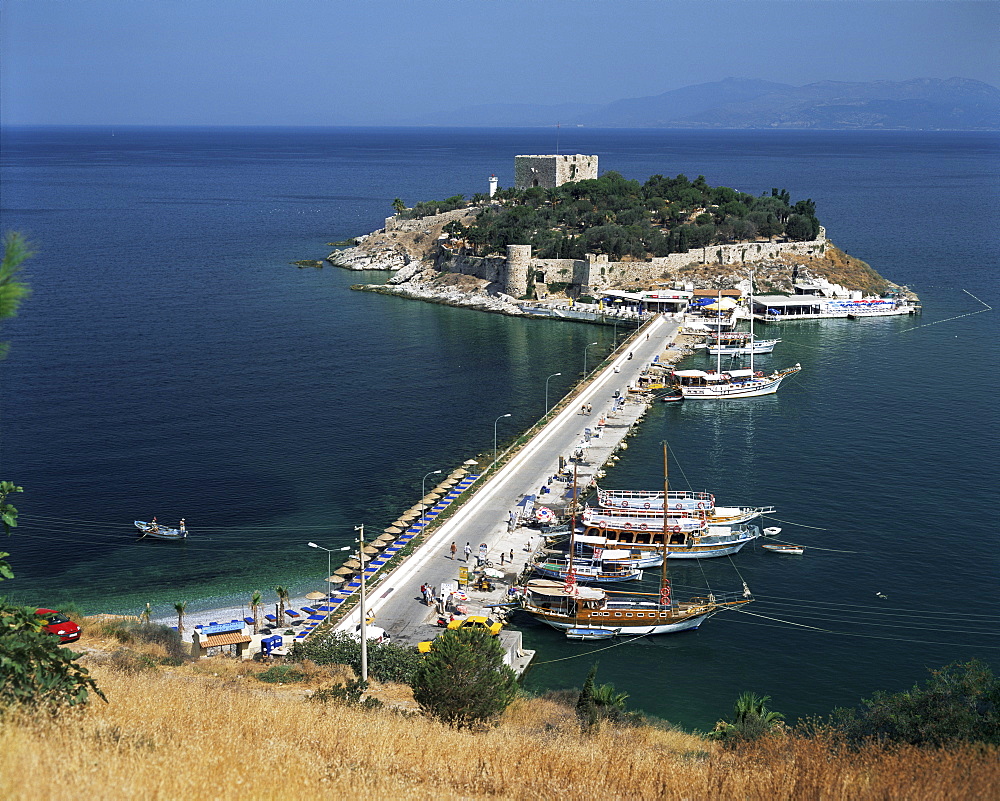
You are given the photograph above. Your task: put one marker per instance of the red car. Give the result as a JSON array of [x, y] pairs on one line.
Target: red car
[[57, 623]]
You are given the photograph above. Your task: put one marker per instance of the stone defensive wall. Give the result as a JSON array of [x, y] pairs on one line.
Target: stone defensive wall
[[519, 269], [395, 223]]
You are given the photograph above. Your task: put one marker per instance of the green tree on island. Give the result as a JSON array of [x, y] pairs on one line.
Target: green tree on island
[[463, 681], [398, 206]]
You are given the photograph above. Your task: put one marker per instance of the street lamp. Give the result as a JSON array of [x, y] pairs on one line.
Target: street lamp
[[364, 620], [547, 391], [329, 586], [501, 417], [585, 358], [423, 494]]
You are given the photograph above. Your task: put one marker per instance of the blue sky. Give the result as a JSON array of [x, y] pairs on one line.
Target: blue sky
[[327, 62]]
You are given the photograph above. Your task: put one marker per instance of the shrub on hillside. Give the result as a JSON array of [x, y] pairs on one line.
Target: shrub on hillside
[[959, 703], [386, 662], [463, 681], [130, 632], [35, 672]]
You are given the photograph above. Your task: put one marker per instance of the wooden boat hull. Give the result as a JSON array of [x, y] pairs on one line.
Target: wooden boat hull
[[794, 550], [626, 622]]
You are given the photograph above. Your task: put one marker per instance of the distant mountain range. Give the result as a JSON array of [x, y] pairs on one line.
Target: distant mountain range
[[919, 104]]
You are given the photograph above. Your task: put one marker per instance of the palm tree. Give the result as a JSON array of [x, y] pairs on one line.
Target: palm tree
[[256, 599], [180, 607], [146, 615], [398, 206], [282, 603], [606, 697], [751, 719]]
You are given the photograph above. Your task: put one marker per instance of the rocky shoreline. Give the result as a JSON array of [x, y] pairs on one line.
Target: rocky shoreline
[[423, 267]]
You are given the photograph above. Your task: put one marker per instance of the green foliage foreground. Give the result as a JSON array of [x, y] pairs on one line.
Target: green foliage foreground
[[386, 662], [463, 681], [959, 703], [35, 672]]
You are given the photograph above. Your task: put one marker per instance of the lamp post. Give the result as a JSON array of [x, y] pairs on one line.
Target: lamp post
[[329, 586], [423, 494], [547, 391], [364, 616], [585, 358], [501, 417]]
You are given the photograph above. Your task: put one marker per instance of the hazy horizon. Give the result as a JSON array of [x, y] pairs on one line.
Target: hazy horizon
[[332, 63]]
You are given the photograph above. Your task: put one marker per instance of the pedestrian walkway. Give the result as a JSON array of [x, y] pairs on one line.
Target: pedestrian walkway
[[338, 598], [483, 519]]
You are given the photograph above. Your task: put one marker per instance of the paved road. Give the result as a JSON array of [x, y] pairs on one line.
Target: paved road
[[483, 519]]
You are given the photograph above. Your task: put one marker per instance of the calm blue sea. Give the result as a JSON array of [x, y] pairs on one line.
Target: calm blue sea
[[172, 362]]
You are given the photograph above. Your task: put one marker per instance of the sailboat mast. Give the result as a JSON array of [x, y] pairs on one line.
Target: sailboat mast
[[572, 522], [751, 321], [666, 504], [718, 367]]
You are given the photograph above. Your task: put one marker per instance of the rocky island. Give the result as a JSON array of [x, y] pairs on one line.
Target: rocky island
[[563, 235]]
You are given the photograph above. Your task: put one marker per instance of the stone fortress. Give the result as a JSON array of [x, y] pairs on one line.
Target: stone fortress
[[417, 250], [548, 172]]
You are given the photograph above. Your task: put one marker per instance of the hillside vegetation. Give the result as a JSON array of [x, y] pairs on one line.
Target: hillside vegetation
[[184, 734], [225, 729], [625, 219]]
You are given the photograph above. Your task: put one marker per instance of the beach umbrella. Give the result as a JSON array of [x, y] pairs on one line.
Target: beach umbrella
[[371, 549], [447, 484], [430, 497], [315, 596], [723, 304], [544, 515], [392, 530], [470, 461], [355, 563], [344, 571], [335, 579], [385, 539], [409, 515]]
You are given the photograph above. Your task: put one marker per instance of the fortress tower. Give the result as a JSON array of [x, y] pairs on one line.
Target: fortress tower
[[549, 172], [518, 269]]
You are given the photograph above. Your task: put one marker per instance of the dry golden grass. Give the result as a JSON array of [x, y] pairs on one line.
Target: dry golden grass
[[179, 733]]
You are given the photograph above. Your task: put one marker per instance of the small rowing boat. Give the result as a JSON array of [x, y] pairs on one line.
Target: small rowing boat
[[590, 633], [773, 547], [159, 532]]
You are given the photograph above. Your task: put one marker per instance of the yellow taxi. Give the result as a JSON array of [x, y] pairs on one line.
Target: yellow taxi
[[470, 622]]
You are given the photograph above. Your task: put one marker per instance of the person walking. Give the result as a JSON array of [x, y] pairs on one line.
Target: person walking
[[502, 557], [468, 551], [454, 550], [512, 556]]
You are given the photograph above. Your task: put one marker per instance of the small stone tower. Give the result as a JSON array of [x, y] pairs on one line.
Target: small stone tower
[[518, 269], [548, 172]]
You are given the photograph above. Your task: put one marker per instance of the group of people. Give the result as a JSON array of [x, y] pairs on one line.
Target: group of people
[[587, 408]]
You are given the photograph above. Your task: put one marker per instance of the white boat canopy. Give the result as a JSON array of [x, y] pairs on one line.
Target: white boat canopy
[[690, 373], [548, 587], [741, 373]]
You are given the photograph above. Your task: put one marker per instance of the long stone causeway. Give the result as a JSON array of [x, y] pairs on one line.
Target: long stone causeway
[[482, 518]]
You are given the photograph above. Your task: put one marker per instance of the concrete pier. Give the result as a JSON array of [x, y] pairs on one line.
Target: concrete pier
[[483, 519]]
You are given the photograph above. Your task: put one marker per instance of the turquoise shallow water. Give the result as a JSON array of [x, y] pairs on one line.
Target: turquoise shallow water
[[172, 362]]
